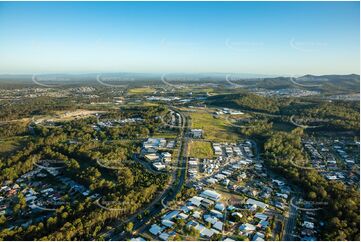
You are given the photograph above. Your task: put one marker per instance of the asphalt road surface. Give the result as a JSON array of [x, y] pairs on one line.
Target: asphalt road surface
[[290, 223], [155, 207]]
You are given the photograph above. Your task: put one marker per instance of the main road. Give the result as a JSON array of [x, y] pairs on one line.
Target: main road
[[155, 207], [290, 223]]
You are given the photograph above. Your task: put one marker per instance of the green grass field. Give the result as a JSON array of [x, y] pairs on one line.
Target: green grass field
[[141, 90], [215, 129], [200, 149]]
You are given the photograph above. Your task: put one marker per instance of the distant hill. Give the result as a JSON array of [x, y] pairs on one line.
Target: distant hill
[[326, 84], [333, 83], [332, 78]]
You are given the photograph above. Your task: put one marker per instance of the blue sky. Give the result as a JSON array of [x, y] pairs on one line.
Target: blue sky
[[276, 38]]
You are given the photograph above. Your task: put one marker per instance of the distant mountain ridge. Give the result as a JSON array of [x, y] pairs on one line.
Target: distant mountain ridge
[[328, 84], [216, 75], [324, 83], [309, 77]]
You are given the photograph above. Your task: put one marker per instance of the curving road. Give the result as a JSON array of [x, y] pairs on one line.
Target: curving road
[[155, 207]]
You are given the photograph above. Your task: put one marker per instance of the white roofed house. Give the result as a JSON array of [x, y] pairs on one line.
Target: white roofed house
[[164, 236], [162, 143], [145, 151], [252, 202], [192, 173], [137, 239], [261, 216], [204, 232], [210, 219], [196, 214], [229, 151], [166, 157], [235, 112], [196, 200], [211, 181], [170, 144], [167, 223], [220, 207], [193, 162], [217, 150], [247, 228], [253, 207], [219, 176], [170, 215], [182, 216], [218, 225], [153, 157], [213, 195], [197, 133], [150, 143], [216, 213], [237, 214], [158, 165], [154, 143], [227, 172]]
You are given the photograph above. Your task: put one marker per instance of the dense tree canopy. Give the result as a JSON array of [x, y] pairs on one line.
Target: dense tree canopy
[[343, 205]]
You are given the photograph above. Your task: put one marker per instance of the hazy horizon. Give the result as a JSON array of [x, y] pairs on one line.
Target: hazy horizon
[[210, 74]]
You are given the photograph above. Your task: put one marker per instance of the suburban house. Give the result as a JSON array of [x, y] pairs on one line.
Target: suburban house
[[211, 195], [197, 133]]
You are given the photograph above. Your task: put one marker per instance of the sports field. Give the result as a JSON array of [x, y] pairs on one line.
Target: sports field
[[141, 90]]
